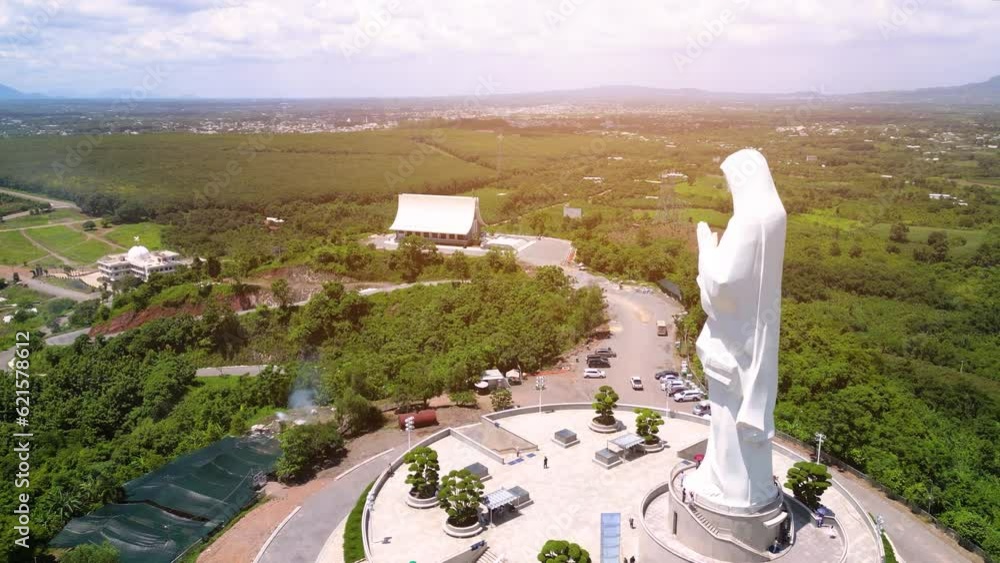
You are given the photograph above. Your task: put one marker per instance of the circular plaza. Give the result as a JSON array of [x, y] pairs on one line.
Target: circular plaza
[[547, 473]]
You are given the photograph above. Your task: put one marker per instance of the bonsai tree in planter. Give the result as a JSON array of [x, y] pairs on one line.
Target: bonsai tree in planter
[[647, 424], [423, 468], [808, 480], [460, 494], [559, 551], [605, 402]]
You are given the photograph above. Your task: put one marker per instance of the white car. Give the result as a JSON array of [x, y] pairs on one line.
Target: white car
[[671, 386], [689, 395], [636, 383], [594, 373]]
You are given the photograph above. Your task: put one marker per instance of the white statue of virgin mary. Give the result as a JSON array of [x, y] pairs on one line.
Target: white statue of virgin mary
[[740, 281]]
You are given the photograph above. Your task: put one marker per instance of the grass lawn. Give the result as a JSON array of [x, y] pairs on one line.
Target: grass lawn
[[70, 243], [57, 216], [16, 250], [354, 549], [148, 233]]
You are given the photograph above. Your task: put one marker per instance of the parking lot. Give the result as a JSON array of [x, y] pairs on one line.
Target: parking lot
[[633, 313]]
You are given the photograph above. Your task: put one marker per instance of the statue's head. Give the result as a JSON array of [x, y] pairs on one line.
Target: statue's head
[[749, 180]]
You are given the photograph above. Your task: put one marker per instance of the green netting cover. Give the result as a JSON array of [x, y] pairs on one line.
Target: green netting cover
[[169, 509], [213, 483], [140, 532]]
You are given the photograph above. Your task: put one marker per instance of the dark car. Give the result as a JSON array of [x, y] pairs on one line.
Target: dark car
[[666, 373], [598, 362], [607, 352]]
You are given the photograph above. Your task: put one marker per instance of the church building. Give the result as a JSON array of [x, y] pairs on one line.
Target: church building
[[441, 219]]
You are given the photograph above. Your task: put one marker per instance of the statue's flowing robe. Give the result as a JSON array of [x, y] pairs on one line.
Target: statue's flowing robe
[[740, 281]]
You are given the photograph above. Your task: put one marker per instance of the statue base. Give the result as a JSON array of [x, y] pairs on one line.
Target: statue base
[[694, 530]]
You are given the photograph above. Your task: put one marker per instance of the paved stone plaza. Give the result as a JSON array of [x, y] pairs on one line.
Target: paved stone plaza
[[570, 496]]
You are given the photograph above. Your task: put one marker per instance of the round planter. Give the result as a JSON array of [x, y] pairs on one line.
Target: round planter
[[603, 428], [466, 532], [652, 448], [415, 502]]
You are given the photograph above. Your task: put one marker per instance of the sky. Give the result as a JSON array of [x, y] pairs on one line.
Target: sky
[[390, 48]]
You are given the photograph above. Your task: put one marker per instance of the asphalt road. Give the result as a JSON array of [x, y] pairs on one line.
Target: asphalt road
[[56, 203], [56, 291], [302, 537]]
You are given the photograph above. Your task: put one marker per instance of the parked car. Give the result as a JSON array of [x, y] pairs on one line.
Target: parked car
[[672, 386], [689, 395], [703, 408], [598, 362], [636, 383], [668, 373], [592, 373], [607, 352]]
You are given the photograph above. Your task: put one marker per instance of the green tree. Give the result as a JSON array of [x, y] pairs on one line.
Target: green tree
[[605, 402], [855, 251], [89, 225], [647, 424], [808, 481], [423, 468], [413, 255], [501, 399], [463, 398], [91, 553], [459, 266], [282, 292], [306, 449], [938, 241], [355, 414], [459, 495], [561, 551], [898, 232], [213, 267]]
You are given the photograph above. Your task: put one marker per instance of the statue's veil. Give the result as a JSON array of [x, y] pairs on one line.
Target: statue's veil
[[759, 213]]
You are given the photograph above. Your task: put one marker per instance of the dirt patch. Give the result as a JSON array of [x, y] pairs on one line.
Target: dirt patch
[[126, 321]]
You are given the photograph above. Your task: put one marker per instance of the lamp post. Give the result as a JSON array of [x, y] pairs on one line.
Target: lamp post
[[409, 430], [819, 446], [540, 386]]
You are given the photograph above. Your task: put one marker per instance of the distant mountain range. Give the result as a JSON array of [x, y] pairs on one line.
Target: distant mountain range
[[8, 93], [978, 93]]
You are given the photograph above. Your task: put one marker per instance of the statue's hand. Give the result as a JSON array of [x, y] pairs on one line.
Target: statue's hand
[[706, 238]]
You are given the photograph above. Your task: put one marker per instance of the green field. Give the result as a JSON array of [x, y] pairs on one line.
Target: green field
[[57, 216], [710, 216], [16, 250], [69, 243], [148, 233], [918, 235], [196, 169]]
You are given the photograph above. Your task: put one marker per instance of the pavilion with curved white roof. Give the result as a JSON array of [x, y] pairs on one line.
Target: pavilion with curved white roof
[[441, 219]]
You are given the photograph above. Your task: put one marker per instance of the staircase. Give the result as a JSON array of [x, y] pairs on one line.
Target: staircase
[[707, 523], [488, 557]]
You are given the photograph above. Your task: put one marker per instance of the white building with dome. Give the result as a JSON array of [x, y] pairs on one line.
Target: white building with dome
[[139, 262]]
